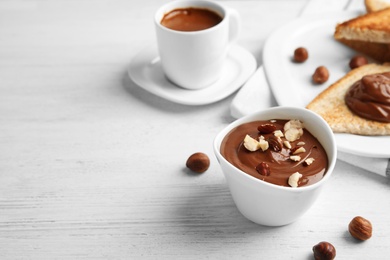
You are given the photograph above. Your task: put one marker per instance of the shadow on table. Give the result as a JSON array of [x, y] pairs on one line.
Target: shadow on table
[[160, 103], [209, 212], [208, 223]]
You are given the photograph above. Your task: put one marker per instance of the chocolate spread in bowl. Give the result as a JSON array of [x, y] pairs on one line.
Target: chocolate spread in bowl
[[280, 165], [370, 97]]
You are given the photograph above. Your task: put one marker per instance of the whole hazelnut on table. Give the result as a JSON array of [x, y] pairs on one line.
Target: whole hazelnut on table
[[198, 162], [321, 75], [300, 54], [324, 251], [357, 61], [360, 228]]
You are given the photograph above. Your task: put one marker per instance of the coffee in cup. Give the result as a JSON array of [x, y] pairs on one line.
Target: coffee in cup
[[193, 38], [190, 19]]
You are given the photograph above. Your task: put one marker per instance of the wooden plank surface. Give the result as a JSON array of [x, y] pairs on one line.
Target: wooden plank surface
[[92, 166]]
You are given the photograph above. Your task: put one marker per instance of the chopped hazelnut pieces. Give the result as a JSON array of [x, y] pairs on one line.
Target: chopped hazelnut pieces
[[293, 179], [309, 161], [293, 134], [278, 133], [299, 150], [263, 144], [295, 158], [271, 157], [293, 130], [294, 123], [251, 144]]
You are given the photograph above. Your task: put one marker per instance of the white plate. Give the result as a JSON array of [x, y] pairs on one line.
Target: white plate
[[291, 82], [146, 71]]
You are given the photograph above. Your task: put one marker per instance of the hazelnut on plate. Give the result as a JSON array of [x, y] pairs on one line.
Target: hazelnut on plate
[[357, 61], [300, 54], [321, 75]]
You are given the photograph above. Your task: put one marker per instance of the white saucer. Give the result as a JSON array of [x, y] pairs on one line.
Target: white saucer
[[146, 71]]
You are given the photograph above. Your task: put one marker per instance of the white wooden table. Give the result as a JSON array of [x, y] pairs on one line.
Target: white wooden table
[[93, 167]]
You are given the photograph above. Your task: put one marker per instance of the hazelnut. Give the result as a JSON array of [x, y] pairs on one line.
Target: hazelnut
[[308, 161], [295, 158], [293, 134], [198, 162], [360, 228], [300, 54], [278, 133], [293, 123], [298, 150], [294, 179], [251, 144], [264, 145], [266, 128], [275, 143], [263, 169], [357, 61], [320, 75], [324, 251]]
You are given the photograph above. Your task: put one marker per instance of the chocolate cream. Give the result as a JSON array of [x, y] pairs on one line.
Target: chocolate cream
[[370, 97], [281, 167]]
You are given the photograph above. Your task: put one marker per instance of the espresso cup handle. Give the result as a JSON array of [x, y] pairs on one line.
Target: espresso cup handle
[[234, 24]]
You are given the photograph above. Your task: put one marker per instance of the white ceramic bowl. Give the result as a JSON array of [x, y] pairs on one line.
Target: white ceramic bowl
[[269, 204]]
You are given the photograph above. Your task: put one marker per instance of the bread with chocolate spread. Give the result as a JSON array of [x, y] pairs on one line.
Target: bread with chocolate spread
[[331, 104]]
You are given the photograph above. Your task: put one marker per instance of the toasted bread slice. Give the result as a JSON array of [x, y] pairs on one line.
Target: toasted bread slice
[[370, 27], [368, 34], [377, 51], [376, 5], [331, 106]]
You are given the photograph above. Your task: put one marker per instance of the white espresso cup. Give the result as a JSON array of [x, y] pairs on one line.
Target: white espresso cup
[[195, 59]]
